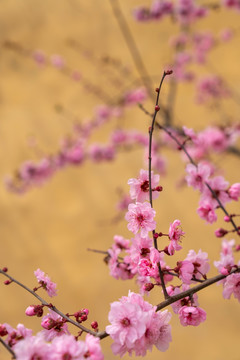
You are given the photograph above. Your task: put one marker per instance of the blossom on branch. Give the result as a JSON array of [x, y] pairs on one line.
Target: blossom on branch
[[45, 282], [140, 217], [136, 326]]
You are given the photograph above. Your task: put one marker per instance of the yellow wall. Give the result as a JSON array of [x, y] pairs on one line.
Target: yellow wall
[[51, 227]]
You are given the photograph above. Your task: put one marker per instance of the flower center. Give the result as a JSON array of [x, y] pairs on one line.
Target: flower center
[[125, 322], [140, 218], [145, 186]]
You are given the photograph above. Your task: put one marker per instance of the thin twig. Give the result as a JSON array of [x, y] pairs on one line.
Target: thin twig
[[52, 307], [182, 147], [166, 296], [8, 348]]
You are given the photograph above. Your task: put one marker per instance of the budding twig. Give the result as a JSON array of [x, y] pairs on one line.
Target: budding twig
[[157, 108], [52, 307]]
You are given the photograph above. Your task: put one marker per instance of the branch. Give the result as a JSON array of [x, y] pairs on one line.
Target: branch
[[182, 147], [131, 44], [193, 290], [52, 307], [8, 348], [157, 108]]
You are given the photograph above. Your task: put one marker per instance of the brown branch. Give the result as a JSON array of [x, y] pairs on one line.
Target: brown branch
[[8, 348], [182, 147], [157, 108], [52, 307]]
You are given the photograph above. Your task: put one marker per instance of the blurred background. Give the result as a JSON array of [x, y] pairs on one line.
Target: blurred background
[[50, 227]]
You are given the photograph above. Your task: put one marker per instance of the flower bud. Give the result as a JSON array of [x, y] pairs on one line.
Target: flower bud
[[3, 330], [48, 323], [220, 232], [94, 325], [148, 286], [34, 310]]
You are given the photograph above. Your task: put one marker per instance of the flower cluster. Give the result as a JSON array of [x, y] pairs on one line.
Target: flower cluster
[[136, 326], [61, 347]]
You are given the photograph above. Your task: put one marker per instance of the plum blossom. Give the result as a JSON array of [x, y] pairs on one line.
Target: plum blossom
[[175, 233], [231, 286], [14, 335], [136, 326], [206, 211], [191, 315], [139, 188], [118, 269], [211, 88], [46, 283], [94, 351], [66, 347], [140, 217], [185, 271], [54, 325], [197, 175], [219, 185], [33, 347], [226, 262], [234, 191], [200, 262], [174, 290], [135, 96]]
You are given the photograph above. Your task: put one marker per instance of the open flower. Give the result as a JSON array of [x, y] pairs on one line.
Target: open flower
[[140, 217]]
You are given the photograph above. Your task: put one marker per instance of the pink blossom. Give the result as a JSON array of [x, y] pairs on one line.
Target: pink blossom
[[219, 185], [30, 172], [46, 282], [140, 217], [234, 191], [14, 335], [216, 139], [226, 262], [158, 333], [73, 153], [140, 249], [128, 323], [200, 262], [99, 152], [33, 347], [135, 96], [175, 234], [66, 347], [121, 243], [149, 266], [185, 271], [203, 42], [232, 286], [57, 61], [39, 57], [211, 88], [191, 315], [118, 269], [226, 35], [139, 188], [123, 203], [187, 11], [198, 175], [136, 326], [160, 9], [232, 4], [94, 351], [54, 325], [206, 211], [34, 310], [175, 290]]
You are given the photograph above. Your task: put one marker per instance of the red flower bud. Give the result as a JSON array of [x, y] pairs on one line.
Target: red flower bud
[[94, 325]]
